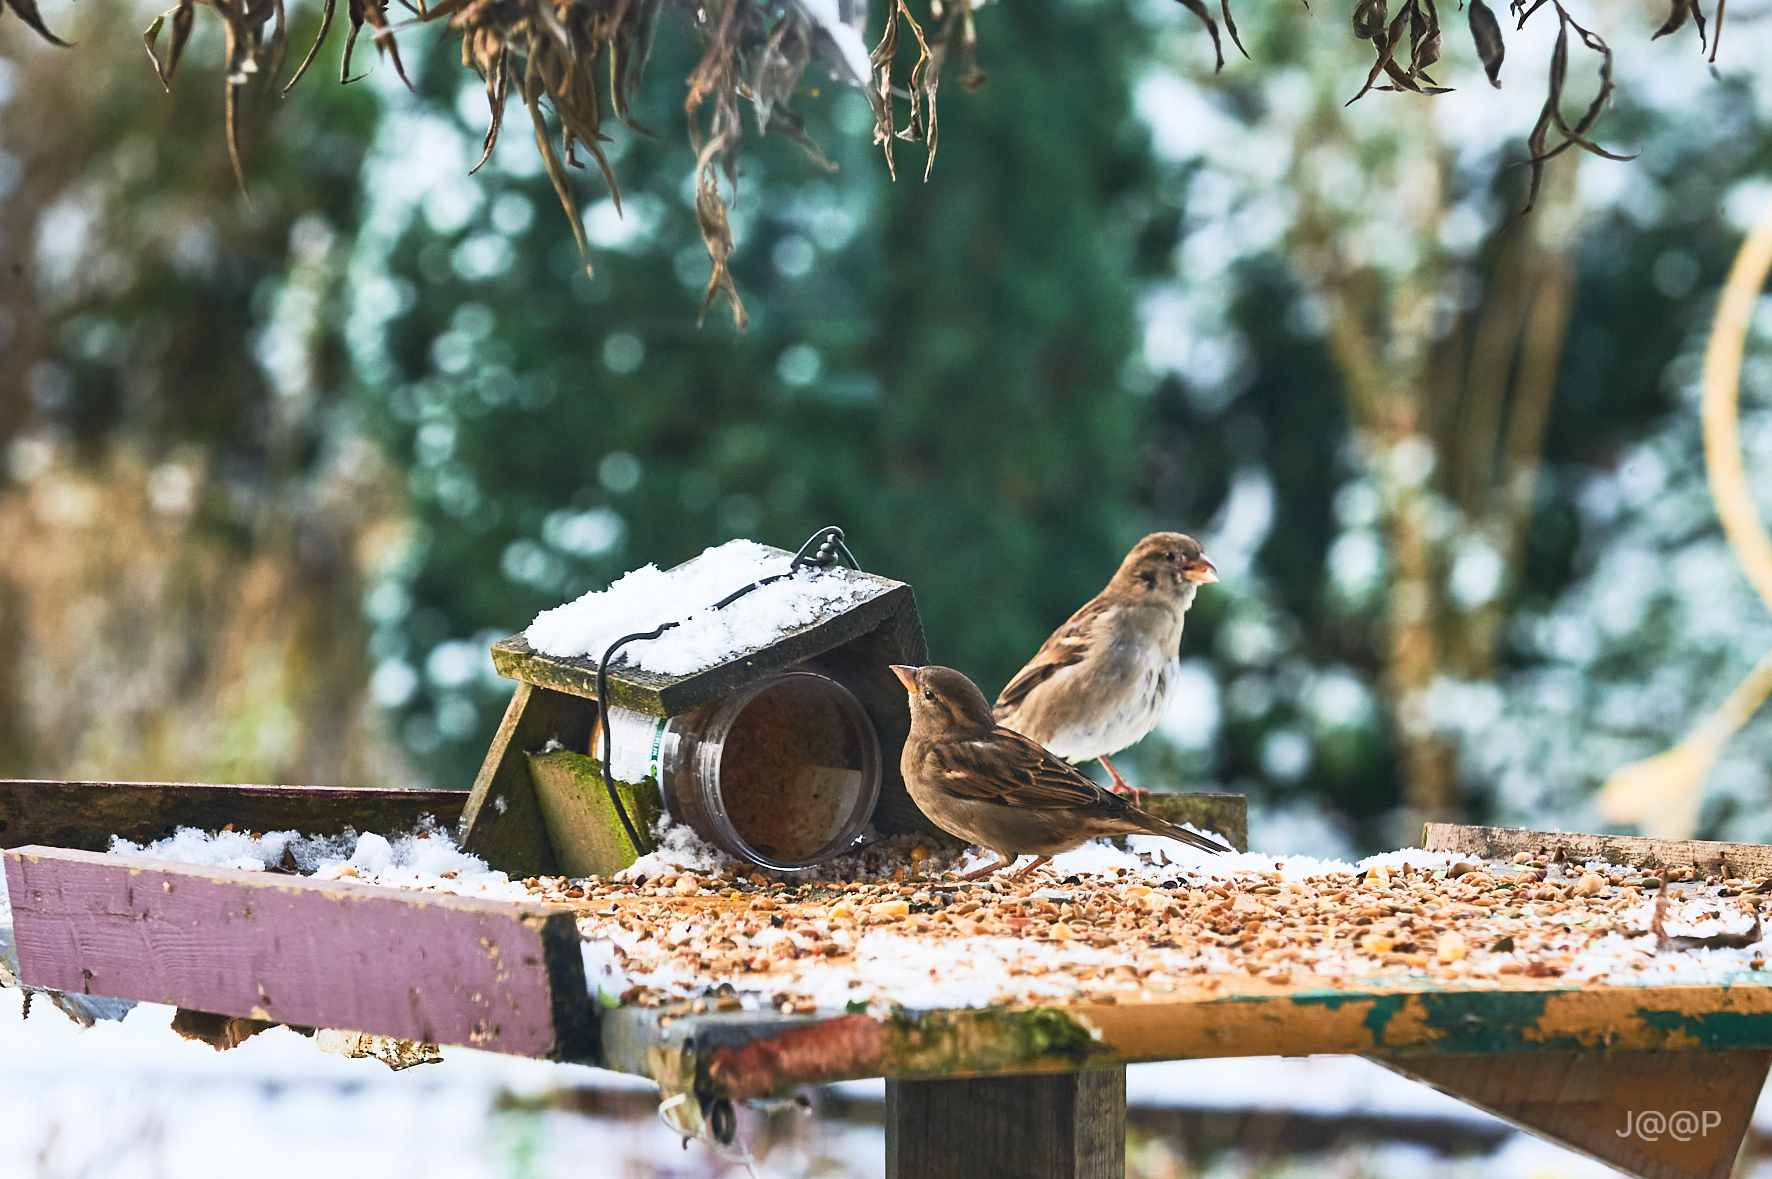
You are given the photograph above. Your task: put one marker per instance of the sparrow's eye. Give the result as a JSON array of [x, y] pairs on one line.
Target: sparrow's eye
[[928, 695]]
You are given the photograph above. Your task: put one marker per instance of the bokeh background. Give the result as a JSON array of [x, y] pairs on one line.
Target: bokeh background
[[276, 472]]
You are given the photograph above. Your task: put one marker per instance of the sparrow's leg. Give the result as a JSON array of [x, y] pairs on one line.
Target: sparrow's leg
[[1032, 864], [1122, 787], [986, 870]]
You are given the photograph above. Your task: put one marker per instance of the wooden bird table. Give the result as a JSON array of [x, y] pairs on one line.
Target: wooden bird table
[[1658, 1080]]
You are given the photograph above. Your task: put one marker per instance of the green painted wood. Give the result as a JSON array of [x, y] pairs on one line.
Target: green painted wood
[[742, 1054], [1227, 814], [586, 834], [1045, 1126], [503, 822], [86, 815]]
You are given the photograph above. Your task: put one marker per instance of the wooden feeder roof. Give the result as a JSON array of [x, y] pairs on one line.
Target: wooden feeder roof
[[887, 604]]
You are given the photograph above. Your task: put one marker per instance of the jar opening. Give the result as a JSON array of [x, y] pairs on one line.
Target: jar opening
[[795, 770]]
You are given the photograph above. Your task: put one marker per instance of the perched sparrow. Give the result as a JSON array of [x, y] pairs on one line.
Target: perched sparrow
[[999, 789], [1099, 683]]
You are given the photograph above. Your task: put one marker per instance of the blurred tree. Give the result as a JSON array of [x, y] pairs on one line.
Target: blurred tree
[[1358, 264], [933, 366], [186, 510]]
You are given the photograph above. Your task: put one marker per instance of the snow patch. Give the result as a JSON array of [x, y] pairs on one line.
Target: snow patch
[[648, 597], [427, 858]]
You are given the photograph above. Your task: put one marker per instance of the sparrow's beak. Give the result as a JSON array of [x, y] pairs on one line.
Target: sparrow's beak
[[1200, 569], [906, 676]]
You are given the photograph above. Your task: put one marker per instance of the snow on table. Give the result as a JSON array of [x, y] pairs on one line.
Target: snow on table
[[891, 929], [648, 597]]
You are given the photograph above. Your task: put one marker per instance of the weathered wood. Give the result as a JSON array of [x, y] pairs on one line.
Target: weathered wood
[[741, 1055], [1227, 814], [502, 822], [586, 833], [86, 814], [1698, 1104], [1743, 860], [425, 966], [892, 606], [1050, 1126]]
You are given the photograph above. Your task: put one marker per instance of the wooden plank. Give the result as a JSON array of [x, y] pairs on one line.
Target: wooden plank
[[756, 1055], [1227, 814], [86, 814], [1656, 1115], [424, 966], [586, 833], [670, 695], [1742, 860], [1055, 1126], [502, 822]]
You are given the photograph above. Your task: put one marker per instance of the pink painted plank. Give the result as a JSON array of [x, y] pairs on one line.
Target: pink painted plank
[[502, 976]]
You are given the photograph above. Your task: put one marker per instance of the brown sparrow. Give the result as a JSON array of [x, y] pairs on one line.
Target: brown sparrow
[[1099, 683], [1000, 790]]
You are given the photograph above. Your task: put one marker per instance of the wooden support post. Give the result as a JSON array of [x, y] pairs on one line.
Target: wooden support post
[[1679, 1114], [587, 837], [503, 822], [1036, 1126]]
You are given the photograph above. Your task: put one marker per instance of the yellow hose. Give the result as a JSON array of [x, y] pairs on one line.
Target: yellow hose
[[1662, 794]]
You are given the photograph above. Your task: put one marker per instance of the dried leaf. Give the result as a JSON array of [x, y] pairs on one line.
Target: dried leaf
[[532, 91], [1386, 46], [1486, 35], [716, 234], [1370, 19], [1424, 38], [182, 17], [326, 11], [1198, 8], [1230, 26], [1676, 18], [27, 12]]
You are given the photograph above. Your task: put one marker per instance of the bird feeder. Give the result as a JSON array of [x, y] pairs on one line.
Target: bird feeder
[[779, 753]]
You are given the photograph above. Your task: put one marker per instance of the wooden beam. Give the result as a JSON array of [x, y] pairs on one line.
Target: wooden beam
[[427, 966], [741, 1054], [86, 814], [1045, 1126], [502, 822], [1742, 860], [586, 834], [1656, 1115]]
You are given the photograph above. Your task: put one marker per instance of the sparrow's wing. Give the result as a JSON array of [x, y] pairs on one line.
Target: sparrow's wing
[[1069, 644], [1010, 769]]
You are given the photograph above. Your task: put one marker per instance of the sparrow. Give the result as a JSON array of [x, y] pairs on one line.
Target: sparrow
[[1100, 682], [1000, 790]]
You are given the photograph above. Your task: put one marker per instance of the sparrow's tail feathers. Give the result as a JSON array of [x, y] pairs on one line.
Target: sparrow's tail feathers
[[1169, 830]]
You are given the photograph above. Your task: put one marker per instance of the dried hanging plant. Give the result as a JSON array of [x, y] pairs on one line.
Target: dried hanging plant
[[560, 55]]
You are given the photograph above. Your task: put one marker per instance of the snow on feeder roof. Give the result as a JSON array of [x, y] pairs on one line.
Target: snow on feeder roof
[[711, 652], [769, 719]]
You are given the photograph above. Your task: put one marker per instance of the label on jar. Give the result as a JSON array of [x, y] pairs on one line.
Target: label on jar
[[635, 739]]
